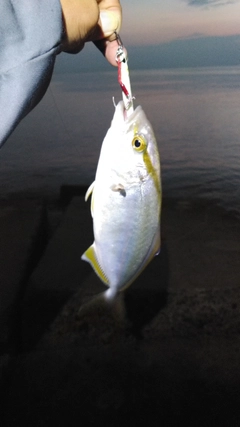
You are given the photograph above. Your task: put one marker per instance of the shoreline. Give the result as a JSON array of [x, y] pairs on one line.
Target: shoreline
[[67, 191], [179, 342]]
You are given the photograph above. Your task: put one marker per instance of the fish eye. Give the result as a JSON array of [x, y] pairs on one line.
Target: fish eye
[[139, 143]]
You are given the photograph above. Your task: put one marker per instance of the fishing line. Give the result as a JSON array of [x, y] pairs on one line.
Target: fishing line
[[69, 138]]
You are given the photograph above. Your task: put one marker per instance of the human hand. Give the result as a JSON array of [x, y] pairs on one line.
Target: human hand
[[91, 20]]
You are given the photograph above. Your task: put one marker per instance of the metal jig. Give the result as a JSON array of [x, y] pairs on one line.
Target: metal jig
[[123, 77]]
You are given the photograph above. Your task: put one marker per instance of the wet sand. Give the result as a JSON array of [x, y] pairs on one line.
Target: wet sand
[[167, 353]]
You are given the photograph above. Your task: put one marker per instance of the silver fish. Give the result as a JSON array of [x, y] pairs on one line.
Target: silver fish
[[126, 201]]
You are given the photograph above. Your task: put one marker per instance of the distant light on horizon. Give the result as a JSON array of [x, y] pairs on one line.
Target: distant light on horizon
[[160, 34], [154, 22]]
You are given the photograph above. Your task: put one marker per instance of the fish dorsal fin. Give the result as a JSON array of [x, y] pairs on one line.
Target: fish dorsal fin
[[89, 191], [90, 256]]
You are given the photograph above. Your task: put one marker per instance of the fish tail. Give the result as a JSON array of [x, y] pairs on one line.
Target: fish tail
[[110, 294], [101, 308]]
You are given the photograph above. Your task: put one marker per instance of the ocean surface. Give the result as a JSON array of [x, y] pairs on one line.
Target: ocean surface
[[195, 114]]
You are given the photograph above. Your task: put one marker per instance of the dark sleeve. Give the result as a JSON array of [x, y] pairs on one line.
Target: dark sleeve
[[30, 38]]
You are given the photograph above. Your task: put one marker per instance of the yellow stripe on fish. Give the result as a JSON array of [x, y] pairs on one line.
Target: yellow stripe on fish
[[140, 144]]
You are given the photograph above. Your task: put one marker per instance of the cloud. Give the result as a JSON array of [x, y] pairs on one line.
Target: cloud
[[200, 3]]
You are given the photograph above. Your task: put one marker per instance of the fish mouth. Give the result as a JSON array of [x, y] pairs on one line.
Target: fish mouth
[[120, 113]]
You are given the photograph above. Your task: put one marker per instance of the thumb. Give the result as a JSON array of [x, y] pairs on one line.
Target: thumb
[[109, 22]]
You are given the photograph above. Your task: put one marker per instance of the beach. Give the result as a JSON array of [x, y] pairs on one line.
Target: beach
[[166, 353]]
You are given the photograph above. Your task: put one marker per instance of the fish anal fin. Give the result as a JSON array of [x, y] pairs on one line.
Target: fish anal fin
[[90, 256]]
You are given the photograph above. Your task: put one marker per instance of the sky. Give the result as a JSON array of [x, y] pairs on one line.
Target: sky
[[172, 33], [157, 21]]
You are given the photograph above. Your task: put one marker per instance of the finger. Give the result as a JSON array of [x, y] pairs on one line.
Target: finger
[[109, 22], [80, 18], [105, 37], [108, 49]]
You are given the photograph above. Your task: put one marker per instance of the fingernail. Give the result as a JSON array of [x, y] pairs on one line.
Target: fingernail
[[109, 22]]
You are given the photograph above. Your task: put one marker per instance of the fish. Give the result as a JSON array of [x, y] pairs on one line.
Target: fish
[[126, 199]]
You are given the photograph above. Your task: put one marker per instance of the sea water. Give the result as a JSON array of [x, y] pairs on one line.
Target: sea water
[[195, 114]]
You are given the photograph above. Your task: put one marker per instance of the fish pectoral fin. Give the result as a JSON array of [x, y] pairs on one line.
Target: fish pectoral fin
[[120, 188], [89, 191], [91, 257]]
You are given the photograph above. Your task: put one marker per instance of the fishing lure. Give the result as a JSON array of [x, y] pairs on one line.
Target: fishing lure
[[124, 78]]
